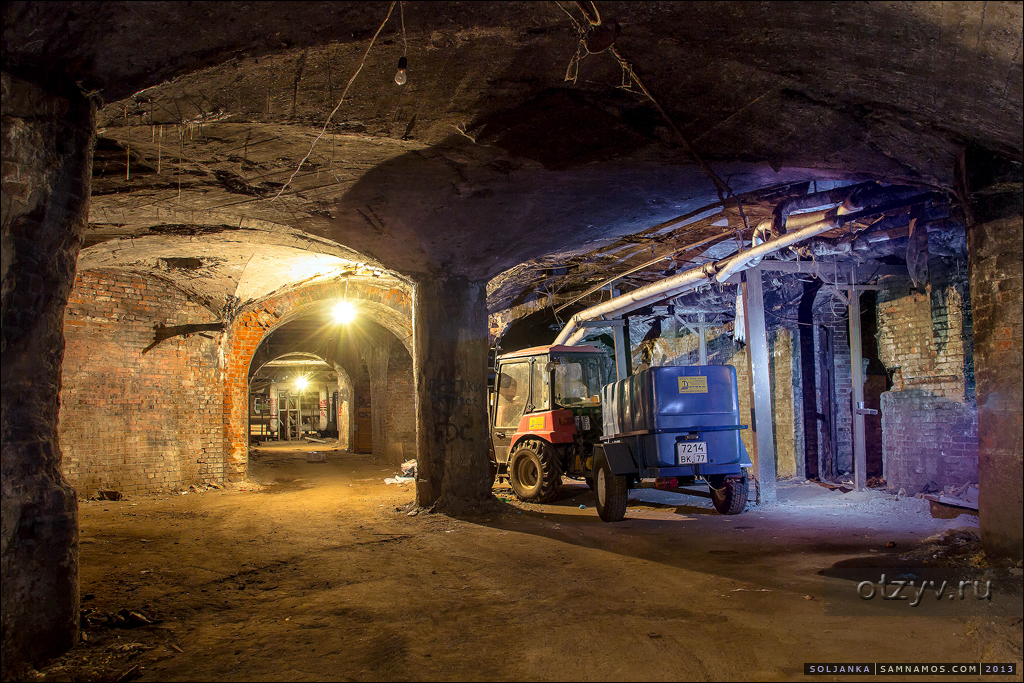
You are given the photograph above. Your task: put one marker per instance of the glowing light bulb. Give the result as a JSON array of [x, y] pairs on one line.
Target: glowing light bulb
[[344, 312], [400, 76], [301, 383]]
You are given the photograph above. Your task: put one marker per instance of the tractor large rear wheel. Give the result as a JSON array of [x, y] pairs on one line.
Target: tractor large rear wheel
[[534, 471], [729, 494]]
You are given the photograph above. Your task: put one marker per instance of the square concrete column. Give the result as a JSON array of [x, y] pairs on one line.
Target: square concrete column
[[47, 167], [450, 365]]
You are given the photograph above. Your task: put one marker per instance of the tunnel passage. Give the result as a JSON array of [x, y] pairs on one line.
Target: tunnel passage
[[303, 320], [359, 373], [755, 91]]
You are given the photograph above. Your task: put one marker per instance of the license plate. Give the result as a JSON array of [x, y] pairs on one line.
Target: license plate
[[691, 452]]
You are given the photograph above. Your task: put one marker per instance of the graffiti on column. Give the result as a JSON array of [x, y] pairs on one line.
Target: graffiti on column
[[451, 398]]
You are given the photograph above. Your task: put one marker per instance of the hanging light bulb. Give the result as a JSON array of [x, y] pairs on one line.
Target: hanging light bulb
[[344, 312], [400, 77]]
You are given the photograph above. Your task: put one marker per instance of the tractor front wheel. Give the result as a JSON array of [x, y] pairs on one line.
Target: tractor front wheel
[[534, 471]]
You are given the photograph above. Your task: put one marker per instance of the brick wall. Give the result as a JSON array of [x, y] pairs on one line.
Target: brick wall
[[842, 415], [785, 380], [401, 412], [132, 422], [930, 417], [996, 287], [928, 438], [921, 339]]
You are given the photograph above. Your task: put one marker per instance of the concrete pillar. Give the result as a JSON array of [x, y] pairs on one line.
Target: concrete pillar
[[763, 457], [994, 243], [860, 458], [47, 164], [450, 365]]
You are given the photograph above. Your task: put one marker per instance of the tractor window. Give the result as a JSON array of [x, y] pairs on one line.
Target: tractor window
[[541, 386], [579, 378], [513, 392]]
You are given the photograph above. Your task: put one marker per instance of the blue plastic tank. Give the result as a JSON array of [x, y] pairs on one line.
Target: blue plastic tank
[[660, 407]]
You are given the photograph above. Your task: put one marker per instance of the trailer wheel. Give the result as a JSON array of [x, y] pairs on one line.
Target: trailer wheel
[[729, 494], [534, 471], [612, 490]]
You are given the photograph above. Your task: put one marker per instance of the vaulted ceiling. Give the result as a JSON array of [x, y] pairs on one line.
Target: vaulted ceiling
[[511, 153]]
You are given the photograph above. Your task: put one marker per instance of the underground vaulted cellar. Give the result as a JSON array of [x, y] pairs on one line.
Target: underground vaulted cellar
[[268, 255]]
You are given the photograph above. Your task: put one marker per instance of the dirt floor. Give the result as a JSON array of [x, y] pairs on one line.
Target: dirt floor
[[317, 571]]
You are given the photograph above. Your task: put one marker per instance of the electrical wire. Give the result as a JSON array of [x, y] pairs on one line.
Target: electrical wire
[[338, 106]]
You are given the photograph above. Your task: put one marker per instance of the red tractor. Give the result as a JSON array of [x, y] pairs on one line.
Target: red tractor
[[555, 410]]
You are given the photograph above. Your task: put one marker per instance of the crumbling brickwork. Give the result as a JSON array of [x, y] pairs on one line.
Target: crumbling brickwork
[[928, 438], [997, 293], [785, 384], [929, 418], [130, 421]]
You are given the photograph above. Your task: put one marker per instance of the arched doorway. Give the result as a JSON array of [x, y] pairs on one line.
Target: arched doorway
[[293, 396]]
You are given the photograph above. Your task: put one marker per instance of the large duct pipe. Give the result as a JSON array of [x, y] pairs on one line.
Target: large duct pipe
[[721, 270], [684, 282], [850, 199]]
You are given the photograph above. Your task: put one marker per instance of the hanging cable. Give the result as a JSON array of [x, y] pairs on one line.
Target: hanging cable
[[338, 106]]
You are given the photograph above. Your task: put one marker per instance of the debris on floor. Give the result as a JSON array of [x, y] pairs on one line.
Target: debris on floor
[[407, 476], [124, 618], [962, 496], [833, 487], [316, 456], [199, 488], [307, 437], [108, 494], [959, 546]]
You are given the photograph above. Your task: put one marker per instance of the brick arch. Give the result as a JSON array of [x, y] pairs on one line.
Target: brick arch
[[388, 306]]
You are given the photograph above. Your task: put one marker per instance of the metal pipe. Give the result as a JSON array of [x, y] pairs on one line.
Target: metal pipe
[[722, 270], [642, 266], [741, 260], [683, 282]]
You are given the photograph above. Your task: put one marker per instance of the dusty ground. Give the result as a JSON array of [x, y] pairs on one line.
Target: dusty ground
[[319, 573]]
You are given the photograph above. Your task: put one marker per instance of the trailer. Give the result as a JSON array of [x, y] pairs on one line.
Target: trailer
[[554, 412]]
